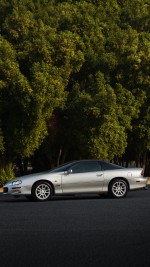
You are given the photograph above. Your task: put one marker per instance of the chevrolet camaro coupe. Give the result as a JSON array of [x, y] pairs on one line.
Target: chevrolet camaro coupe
[[84, 176]]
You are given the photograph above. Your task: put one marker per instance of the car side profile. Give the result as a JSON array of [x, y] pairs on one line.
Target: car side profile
[[84, 176]]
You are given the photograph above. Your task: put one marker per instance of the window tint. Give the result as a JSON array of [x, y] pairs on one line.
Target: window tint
[[110, 166], [62, 168], [88, 166]]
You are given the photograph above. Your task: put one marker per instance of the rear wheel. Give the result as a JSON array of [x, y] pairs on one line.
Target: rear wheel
[[118, 188], [42, 191]]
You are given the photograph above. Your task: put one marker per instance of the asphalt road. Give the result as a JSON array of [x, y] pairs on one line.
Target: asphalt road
[[76, 231]]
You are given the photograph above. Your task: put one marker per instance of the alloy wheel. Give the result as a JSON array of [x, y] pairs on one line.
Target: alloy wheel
[[119, 188], [42, 191]]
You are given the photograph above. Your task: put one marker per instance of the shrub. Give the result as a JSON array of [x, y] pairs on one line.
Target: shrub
[[6, 174]]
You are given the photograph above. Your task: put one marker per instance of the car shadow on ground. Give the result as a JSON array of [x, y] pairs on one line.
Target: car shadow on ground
[[131, 195]]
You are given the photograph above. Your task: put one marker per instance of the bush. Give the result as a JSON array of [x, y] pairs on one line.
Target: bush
[[6, 174]]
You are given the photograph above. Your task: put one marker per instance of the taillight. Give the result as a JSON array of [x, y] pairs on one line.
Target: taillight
[[142, 172]]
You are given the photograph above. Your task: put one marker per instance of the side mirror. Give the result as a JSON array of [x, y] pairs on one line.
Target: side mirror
[[68, 172]]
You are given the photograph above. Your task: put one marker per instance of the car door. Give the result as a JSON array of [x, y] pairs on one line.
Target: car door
[[85, 176]]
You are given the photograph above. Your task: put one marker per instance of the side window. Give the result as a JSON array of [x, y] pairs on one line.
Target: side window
[[89, 166], [110, 166]]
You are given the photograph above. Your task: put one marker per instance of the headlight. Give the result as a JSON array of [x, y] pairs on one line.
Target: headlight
[[17, 182]]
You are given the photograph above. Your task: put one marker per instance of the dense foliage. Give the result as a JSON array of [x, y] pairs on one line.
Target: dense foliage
[[74, 80]]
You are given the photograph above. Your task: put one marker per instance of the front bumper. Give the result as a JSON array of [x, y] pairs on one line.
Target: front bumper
[[5, 190], [21, 189], [14, 190]]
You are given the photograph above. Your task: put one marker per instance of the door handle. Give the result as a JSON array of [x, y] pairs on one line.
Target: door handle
[[99, 174]]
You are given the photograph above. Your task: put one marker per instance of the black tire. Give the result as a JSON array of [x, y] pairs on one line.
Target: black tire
[[118, 188], [42, 191]]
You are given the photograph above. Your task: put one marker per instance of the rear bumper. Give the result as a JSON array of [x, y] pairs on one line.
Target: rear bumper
[[140, 188], [138, 183], [146, 187]]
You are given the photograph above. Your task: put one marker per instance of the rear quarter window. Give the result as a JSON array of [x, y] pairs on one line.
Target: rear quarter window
[[110, 166]]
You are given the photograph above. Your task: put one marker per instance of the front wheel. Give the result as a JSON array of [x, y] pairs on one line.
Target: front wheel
[[118, 188], [42, 191]]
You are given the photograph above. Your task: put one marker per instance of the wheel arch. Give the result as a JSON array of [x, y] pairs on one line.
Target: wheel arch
[[50, 183]]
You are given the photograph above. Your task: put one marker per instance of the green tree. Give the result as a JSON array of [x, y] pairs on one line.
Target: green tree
[[36, 61], [103, 95], [81, 65]]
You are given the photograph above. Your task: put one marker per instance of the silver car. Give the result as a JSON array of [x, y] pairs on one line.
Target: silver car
[[84, 176]]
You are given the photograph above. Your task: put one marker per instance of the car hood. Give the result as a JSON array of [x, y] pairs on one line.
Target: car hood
[[34, 175], [31, 176]]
